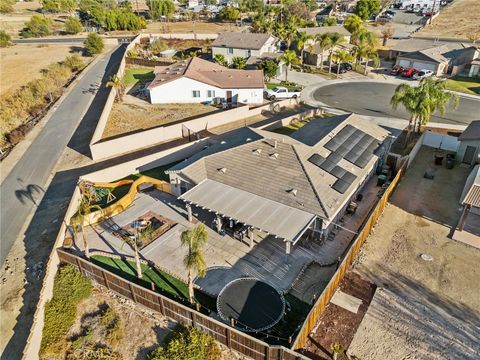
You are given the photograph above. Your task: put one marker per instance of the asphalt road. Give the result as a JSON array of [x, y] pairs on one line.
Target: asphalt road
[[371, 98], [24, 186]]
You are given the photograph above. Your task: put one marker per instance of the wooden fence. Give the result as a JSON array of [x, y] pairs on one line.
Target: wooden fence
[[147, 62], [322, 302], [228, 336]]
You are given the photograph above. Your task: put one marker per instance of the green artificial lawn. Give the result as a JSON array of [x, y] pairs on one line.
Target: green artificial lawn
[[134, 75], [289, 87], [165, 284], [464, 84]]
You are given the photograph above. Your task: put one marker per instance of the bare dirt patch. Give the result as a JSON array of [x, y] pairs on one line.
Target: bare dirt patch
[[458, 20], [422, 309], [22, 63], [187, 27], [134, 115]]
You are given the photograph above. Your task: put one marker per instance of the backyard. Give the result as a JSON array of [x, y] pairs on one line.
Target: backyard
[[464, 84], [138, 75]]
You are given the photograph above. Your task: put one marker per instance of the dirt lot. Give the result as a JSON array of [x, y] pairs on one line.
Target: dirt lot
[[422, 309], [458, 20], [22, 63], [187, 27], [134, 114]]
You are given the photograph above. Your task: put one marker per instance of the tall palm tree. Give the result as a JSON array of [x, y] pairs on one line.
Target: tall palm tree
[[194, 261], [340, 57], [238, 62], [371, 55], [119, 85], [324, 41], [301, 41], [289, 58], [335, 40]]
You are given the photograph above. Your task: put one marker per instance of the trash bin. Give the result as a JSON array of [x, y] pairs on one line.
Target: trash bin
[[450, 161], [438, 159], [381, 180]]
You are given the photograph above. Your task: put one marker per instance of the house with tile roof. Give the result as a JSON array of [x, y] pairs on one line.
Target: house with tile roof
[[198, 81], [285, 186], [245, 45]]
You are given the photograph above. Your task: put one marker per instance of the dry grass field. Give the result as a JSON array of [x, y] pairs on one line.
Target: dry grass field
[[459, 20], [22, 63], [187, 27]]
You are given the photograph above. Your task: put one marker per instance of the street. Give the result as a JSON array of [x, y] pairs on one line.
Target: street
[[373, 98]]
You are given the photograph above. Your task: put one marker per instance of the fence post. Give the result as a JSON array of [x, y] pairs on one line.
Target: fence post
[[79, 264], [134, 298], [105, 279], [194, 322], [228, 334], [267, 352], [162, 306]]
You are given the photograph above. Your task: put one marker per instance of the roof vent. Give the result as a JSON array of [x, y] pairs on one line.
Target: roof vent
[[293, 192], [249, 139], [223, 142], [223, 170], [274, 156], [257, 151]]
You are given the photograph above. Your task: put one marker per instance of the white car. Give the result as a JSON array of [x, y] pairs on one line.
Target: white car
[[281, 92], [423, 74]]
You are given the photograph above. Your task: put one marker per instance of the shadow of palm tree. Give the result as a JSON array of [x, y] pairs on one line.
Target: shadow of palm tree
[[28, 193]]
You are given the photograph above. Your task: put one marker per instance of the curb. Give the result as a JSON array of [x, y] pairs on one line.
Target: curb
[[19, 150]]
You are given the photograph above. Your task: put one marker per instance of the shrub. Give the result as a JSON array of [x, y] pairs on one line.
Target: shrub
[[69, 288], [6, 6], [229, 13], [73, 25], [37, 26], [113, 326], [94, 44], [4, 39], [187, 344], [74, 62], [158, 45]]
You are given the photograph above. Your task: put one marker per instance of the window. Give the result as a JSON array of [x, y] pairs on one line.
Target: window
[[211, 93], [230, 51], [196, 93]]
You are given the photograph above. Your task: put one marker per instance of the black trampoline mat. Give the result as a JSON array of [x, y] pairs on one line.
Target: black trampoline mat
[[253, 304]]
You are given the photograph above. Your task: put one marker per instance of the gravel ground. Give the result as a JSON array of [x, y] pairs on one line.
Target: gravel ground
[[422, 309]]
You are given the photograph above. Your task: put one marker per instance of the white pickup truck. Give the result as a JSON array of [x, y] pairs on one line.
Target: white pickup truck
[[281, 92]]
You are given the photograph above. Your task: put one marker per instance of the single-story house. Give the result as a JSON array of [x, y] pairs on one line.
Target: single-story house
[[284, 186], [430, 59], [469, 148], [245, 45], [197, 80]]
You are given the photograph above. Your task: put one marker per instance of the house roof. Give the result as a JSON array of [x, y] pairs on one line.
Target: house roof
[[208, 73], [471, 191], [431, 54], [278, 167], [241, 40], [472, 132], [412, 45], [325, 29]]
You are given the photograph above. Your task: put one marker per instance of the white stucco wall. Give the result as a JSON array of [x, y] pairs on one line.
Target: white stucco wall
[[181, 91]]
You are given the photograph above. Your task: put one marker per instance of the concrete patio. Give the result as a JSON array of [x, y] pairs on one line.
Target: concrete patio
[[227, 258]]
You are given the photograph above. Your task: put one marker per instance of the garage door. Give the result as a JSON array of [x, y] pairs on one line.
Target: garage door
[[404, 63], [422, 65]]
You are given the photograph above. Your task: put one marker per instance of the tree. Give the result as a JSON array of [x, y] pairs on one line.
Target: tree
[[118, 84], [387, 33], [73, 25], [37, 26], [300, 41], [56, 6], [289, 58], [342, 56], [335, 40], [4, 39], [337, 349], [187, 343], [135, 242], [94, 44], [220, 60], [371, 55], [238, 62], [229, 13], [353, 23], [311, 5], [298, 10], [422, 101], [324, 41], [329, 21], [159, 8], [270, 68], [194, 261], [6, 6], [365, 9]]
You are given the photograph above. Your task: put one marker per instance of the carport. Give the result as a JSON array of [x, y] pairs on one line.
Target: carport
[[254, 211]]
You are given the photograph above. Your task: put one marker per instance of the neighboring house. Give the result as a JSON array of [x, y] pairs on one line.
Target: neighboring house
[[192, 4], [197, 80], [245, 45], [289, 187], [319, 30], [429, 59], [469, 148]]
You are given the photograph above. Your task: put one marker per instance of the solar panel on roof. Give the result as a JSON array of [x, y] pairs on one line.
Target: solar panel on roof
[[342, 150], [340, 186], [334, 157], [338, 171], [363, 160], [327, 165], [316, 159], [348, 177]]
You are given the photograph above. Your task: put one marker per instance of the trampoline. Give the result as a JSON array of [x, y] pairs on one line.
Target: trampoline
[[253, 304]]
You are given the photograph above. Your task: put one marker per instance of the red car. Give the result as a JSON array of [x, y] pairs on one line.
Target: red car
[[408, 73], [396, 70]]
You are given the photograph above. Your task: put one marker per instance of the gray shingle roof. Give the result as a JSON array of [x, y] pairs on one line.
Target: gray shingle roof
[[240, 40], [472, 132], [325, 29]]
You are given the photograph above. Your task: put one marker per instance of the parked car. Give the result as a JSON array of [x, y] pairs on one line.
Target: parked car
[[347, 66], [408, 73], [423, 74], [390, 13], [397, 70], [281, 92], [341, 71]]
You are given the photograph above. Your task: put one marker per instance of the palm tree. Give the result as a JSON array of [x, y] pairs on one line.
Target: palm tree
[[387, 33], [119, 85], [422, 101], [342, 56], [335, 40], [194, 239], [220, 60], [371, 55], [301, 41], [324, 41], [289, 58], [238, 62], [337, 349]]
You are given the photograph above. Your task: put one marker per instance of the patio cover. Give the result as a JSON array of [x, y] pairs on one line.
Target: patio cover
[[275, 218]]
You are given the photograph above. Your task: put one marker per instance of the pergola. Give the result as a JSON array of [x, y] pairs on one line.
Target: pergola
[[282, 221]]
